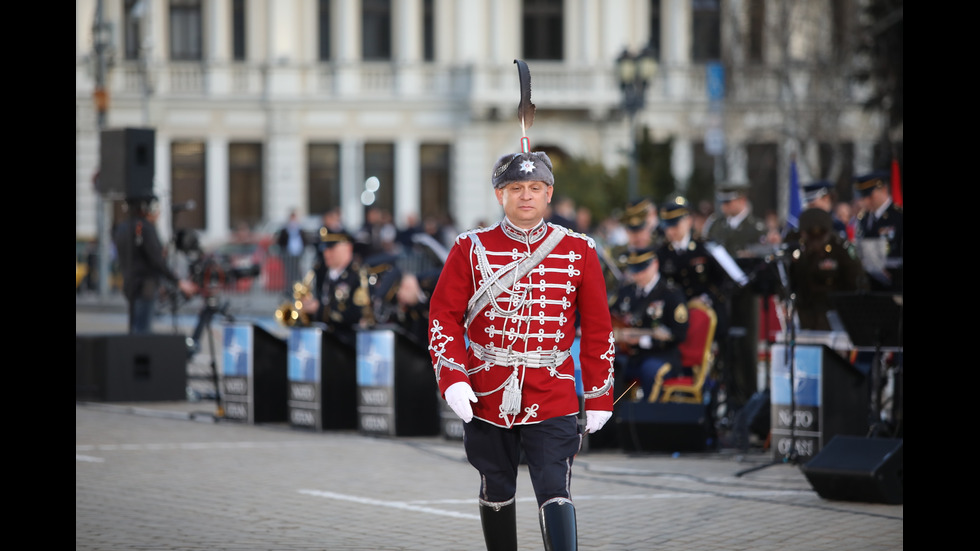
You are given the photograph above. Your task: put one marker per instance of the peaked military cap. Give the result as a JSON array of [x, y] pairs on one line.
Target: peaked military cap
[[866, 183], [816, 190], [672, 213]]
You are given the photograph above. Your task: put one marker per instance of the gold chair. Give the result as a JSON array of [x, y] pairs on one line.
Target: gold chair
[[696, 353]]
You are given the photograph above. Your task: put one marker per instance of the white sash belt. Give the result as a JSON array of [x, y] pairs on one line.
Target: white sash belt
[[511, 358]]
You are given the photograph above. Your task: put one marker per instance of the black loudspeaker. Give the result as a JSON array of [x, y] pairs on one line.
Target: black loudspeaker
[[127, 162], [665, 427], [130, 368], [852, 468]]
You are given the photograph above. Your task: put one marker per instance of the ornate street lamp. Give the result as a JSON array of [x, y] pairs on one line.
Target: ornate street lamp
[[635, 72]]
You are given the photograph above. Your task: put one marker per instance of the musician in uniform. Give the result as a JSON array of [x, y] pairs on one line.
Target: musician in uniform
[[340, 296], [821, 263], [881, 219], [642, 231], [686, 262], [514, 290], [742, 234], [651, 315], [819, 195]]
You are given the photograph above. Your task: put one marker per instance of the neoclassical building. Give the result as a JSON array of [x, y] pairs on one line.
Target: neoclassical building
[[258, 107]]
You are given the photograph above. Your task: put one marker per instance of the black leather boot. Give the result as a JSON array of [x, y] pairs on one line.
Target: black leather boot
[[558, 527], [499, 525]]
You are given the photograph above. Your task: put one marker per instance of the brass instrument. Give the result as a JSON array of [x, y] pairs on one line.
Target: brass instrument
[[362, 298], [290, 313]]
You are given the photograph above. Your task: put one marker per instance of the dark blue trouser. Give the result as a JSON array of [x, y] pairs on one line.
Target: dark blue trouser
[[549, 448]]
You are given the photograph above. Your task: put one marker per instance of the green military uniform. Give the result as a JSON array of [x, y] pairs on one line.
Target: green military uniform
[[738, 239]]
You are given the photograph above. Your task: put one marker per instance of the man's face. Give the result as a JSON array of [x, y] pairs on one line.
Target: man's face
[[640, 237], [732, 207], [525, 203], [824, 202], [338, 256], [677, 232], [646, 275]]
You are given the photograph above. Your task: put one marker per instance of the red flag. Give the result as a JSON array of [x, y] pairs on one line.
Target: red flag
[[896, 183]]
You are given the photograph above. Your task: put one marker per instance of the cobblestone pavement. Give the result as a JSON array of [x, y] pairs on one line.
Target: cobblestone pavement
[[169, 476], [174, 476]]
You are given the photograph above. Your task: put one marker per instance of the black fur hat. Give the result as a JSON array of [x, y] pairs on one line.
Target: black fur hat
[[523, 167]]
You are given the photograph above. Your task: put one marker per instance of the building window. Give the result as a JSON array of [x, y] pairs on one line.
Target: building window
[[324, 177], [757, 30], [434, 181], [376, 33], [238, 30], [543, 29], [379, 161], [706, 30], [245, 184], [655, 28], [428, 31], [187, 183], [323, 16], [133, 11], [185, 30]]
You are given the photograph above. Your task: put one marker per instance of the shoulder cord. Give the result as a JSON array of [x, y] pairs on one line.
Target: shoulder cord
[[489, 291]]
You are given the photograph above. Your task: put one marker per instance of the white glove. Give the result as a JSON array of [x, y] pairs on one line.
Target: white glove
[[595, 419], [458, 396]]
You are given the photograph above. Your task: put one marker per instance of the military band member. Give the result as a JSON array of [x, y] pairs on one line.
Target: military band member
[[686, 262], [340, 296], [881, 219], [821, 263], [741, 233], [502, 321], [650, 314]]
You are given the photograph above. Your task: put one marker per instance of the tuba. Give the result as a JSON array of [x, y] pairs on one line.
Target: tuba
[[290, 313]]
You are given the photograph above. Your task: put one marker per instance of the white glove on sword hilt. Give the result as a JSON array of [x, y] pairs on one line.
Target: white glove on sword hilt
[[458, 396]]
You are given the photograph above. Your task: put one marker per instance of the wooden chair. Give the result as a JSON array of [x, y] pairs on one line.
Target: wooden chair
[[696, 353]]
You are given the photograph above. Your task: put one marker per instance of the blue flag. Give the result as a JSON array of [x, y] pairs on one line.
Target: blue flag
[[793, 216]]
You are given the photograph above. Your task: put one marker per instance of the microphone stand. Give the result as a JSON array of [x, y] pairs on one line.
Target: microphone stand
[[789, 360]]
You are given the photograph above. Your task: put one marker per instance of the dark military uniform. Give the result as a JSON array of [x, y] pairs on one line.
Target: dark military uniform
[[639, 216], [343, 302], [888, 226], [821, 263], [665, 306]]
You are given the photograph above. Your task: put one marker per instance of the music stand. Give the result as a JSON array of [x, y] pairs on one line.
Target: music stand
[[872, 321]]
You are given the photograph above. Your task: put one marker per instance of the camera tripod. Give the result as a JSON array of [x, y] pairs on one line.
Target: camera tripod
[[212, 307]]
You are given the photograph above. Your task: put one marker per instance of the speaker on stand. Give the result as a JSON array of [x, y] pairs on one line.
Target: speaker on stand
[[127, 162]]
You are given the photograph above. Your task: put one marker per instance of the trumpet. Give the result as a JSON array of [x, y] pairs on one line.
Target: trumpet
[[290, 313]]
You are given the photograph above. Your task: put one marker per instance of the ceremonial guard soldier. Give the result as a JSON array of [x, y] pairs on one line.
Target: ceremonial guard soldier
[[506, 310]]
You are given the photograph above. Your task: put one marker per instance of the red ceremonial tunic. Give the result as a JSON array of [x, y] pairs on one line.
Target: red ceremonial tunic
[[522, 336]]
